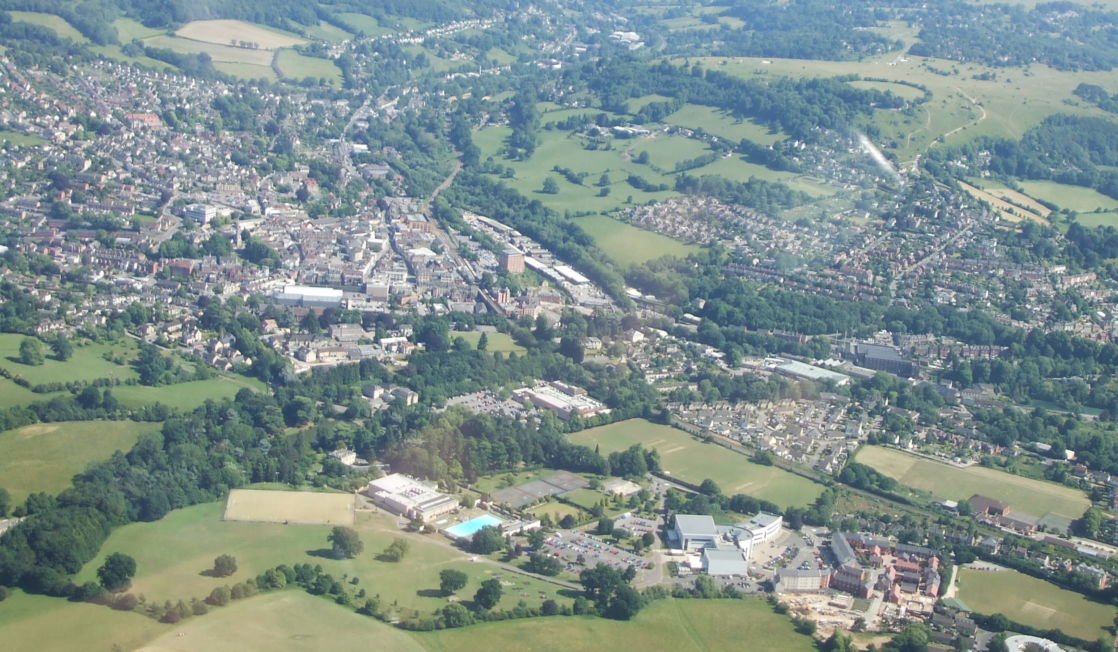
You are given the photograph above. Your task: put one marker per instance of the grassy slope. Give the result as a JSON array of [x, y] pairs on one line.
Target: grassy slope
[[86, 363], [944, 481], [56, 24], [692, 460], [36, 622], [1033, 602], [297, 66], [44, 456]]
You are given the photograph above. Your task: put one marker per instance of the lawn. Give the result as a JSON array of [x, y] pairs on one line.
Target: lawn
[[284, 621], [663, 625], [556, 510], [629, 245], [297, 66], [585, 498], [497, 342], [20, 138], [1033, 602], [85, 364], [56, 24], [45, 456], [172, 553], [186, 396], [1076, 198], [693, 460], [944, 481], [44, 624]]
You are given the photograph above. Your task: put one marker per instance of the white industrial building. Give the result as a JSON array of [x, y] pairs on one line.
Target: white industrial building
[[725, 562], [406, 496], [309, 296], [200, 213], [764, 527]]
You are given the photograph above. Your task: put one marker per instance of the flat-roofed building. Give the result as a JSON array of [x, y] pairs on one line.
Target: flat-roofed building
[[695, 531], [790, 580], [512, 261], [724, 562], [408, 497]]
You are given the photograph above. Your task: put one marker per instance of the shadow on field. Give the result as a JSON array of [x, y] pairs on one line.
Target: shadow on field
[[431, 593], [325, 553]]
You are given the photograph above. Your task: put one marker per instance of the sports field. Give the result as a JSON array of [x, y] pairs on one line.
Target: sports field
[[45, 456], [226, 32], [1033, 602], [629, 245], [172, 553], [693, 460], [663, 625], [497, 342], [945, 481], [307, 507]]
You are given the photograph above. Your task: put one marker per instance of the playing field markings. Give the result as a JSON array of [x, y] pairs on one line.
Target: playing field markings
[[303, 507]]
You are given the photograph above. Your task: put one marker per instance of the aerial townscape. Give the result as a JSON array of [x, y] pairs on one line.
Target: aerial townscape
[[559, 325]]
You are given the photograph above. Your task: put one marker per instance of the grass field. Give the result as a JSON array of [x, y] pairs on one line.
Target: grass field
[[128, 29], [56, 24], [1033, 602], [284, 621], [693, 460], [44, 456], [20, 138], [297, 66], [498, 342], [44, 624], [86, 363], [218, 52], [1076, 198], [555, 510], [1107, 218], [1034, 497], [13, 394], [326, 32], [663, 625], [1011, 205], [172, 553], [366, 24], [629, 245], [722, 124], [246, 70], [304, 507], [186, 396], [224, 32]]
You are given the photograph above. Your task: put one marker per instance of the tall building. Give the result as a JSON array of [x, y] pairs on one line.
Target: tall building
[[512, 261]]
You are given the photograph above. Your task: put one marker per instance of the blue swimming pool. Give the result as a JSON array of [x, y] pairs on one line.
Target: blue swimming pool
[[467, 529]]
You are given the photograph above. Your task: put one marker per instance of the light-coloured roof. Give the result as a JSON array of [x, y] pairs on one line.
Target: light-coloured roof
[[696, 525]]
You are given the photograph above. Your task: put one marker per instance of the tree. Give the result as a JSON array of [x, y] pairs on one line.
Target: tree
[[30, 353], [710, 488], [395, 550], [568, 521], [225, 565], [489, 594], [117, 571], [605, 527], [456, 615], [451, 580], [62, 348], [647, 539], [220, 596], [347, 544], [483, 342], [550, 187], [536, 539], [487, 540], [543, 564]]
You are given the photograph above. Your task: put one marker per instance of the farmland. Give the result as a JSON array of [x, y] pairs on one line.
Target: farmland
[[1033, 602], [56, 24], [44, 456], [225, 32], [172, 553], [297, 66], [945, 481], [693, 460], [1076, 198], [45, 624]]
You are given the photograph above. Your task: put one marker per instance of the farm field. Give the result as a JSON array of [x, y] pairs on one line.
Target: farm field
[[45, 624], [630, 245], [86, 363], [662, 625], [45, 456], [297, 66], [284, 621], [245, 70], [722, 124], [1076, 198], [1033, 602], [944, 481], [172, 553], [224, 32], [128, 29], [305, 507], [186, 396], [56, 24], [1013, 207], [324, 31], [13, 394], [1107, 218], [688, 458], [218, 52], [366, 24], [498, 342]]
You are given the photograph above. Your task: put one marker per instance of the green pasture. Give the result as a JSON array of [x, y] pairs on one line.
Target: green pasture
[[45, 624], [128, 29], [721, 124], [245, 70], [901, 90], [693, 460], [13, 394], [186, 396], [218, 52], [629, 245], [20, 138], [366, 24], [946, 481], [1033, 602], [662, 625], [1107, 218], [638, 103], [297, 66], [665, 152], [172, 553], [498, 342], [56, 24], [556, 511], [326, 32], [114, 52], [45, 456], [1076, 198], [85, 364], [502, 57]]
